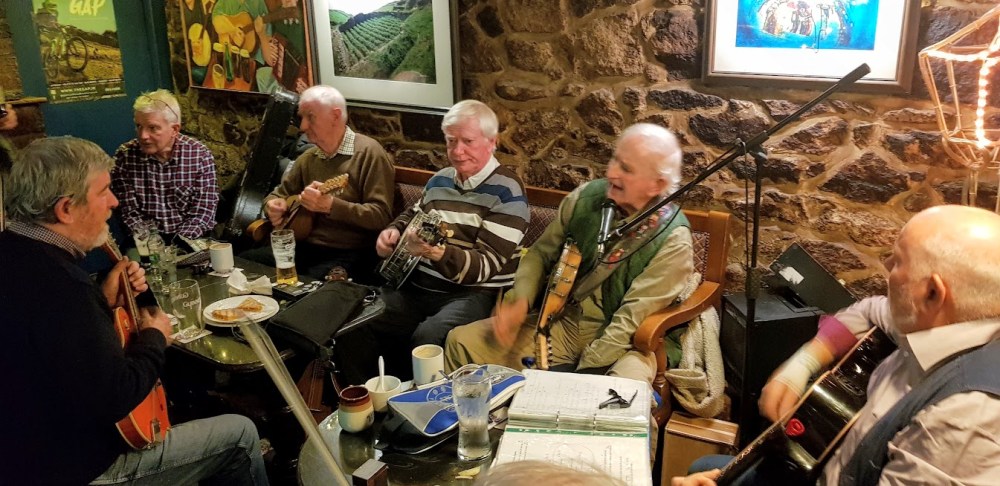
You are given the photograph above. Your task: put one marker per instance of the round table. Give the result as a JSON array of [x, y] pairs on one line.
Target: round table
[[439, 465]]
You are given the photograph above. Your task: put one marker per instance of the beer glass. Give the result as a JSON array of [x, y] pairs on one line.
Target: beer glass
[[185, 298], [470, 389], [283, 246]]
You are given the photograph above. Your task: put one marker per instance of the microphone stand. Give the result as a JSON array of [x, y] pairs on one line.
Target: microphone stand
[[753, 148]]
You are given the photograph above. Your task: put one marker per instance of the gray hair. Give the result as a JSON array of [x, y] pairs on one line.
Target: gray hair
[[969, 265], [160, 101], [47, 170], [466, 109], [326, 96], [538, 472], [662, 146]]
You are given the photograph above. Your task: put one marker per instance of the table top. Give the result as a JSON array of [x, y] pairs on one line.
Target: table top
[[223, 349], [438, 466]]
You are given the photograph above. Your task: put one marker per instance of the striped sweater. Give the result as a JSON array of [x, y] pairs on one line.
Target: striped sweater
[[489, 222]]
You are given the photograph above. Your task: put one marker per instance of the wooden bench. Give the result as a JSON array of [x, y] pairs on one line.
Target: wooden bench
[[710, 231]]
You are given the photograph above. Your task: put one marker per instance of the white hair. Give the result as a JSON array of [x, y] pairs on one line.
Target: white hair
[[662, 146], [326, 96], [466, 109], [160, 101]]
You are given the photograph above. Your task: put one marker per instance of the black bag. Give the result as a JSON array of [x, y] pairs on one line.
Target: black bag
[[309, 324]]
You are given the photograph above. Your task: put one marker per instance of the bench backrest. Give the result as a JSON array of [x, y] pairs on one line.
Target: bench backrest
[[544, 206]]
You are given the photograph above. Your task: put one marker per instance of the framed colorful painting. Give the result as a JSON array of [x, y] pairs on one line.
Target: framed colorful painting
[[810, 43], [248, 45], [389, 53]]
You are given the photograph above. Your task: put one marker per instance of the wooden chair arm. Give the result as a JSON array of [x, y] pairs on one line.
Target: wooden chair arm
[[654, 328], [649, 336]]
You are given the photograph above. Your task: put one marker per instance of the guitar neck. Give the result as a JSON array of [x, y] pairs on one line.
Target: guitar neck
[[124, 286]]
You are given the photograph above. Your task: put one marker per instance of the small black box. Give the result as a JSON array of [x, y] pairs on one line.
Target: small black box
[[751, 353]]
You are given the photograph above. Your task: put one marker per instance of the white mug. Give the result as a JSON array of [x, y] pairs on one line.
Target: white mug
[[391, 387], [428, 361], [221, 255]]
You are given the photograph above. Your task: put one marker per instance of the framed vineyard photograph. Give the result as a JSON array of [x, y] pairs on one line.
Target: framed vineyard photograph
[[811, 43], [389, 53]]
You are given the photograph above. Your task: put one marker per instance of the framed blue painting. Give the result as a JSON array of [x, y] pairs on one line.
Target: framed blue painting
[[810, 43]]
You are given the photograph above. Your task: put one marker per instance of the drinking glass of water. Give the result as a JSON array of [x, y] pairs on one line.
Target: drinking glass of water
[[470, 389], [185, 299]]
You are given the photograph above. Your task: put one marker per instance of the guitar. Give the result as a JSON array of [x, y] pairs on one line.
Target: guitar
[[558, 291], [429, 228], [238, 30], [148, 423], [297, 218], [794, 449]]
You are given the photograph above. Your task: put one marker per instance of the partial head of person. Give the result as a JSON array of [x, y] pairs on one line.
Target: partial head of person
[[645, 166], [470, 133], [523, 473], [945, 268], [323, 112], [157, 123], [64, 184]]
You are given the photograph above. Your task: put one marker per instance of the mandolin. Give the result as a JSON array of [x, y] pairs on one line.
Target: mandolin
[[794, 449], [297, 218], [560, 285], [147, 424]]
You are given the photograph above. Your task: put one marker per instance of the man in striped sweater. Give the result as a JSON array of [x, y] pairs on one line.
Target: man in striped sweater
[[485, 207]]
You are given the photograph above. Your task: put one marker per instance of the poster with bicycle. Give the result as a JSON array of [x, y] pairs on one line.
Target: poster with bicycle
[[79, 49]]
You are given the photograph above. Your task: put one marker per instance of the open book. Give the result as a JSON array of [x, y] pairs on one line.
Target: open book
[[555, 417]]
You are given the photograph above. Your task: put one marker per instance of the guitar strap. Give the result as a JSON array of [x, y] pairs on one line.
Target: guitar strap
[[628, 244]]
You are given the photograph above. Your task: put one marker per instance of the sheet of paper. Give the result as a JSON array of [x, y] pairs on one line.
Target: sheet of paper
[[546, 393], [624, 456]]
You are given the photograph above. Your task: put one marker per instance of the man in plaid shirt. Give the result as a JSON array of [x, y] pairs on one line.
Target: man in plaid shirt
[[162, 176]]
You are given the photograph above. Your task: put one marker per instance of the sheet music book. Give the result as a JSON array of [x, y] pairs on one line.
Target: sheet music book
[[555, 417]]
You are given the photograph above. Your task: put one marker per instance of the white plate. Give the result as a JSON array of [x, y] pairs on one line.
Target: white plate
[[270, 309]]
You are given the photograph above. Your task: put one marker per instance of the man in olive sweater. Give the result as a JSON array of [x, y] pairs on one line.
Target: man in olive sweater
[[346, 223], [67, 380], [643, 272]]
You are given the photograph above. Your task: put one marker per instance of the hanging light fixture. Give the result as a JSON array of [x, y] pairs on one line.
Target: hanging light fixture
[[967, 138]]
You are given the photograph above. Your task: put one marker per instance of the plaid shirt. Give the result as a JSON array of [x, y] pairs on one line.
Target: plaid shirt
[[180, 195]]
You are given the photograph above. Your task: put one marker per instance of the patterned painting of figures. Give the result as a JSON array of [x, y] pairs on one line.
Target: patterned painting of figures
[[808, 24], [379, 39], [248, 45]]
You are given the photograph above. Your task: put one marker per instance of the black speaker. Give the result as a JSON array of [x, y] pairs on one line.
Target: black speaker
[[751, 352]]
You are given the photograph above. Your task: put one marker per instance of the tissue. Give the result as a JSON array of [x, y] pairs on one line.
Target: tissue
[[238, 284]]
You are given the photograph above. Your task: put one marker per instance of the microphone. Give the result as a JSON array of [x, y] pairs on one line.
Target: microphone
[[607, 215]]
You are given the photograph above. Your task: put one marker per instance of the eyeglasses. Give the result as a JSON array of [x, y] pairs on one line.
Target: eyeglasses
[[164, 103]]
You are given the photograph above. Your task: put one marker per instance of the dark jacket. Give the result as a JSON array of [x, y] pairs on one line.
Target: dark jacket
[[65, 379]]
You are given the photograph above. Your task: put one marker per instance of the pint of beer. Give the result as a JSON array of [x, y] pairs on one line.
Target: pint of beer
[[283, 246]]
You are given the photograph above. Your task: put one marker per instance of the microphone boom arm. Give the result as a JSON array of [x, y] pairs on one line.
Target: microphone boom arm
[[746, 147]]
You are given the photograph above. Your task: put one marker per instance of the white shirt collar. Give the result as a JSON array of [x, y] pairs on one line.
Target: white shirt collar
[[931, 346], [478, 177]]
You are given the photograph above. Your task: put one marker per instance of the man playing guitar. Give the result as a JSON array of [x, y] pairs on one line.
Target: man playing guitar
[[643, 272], [933, 406], [68, 381]]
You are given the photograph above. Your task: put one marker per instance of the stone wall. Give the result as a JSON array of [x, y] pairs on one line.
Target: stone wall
[[566, 76]]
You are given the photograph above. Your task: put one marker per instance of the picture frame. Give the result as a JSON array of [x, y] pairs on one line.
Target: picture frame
[[352, 52], [808, 44], [225, 51]]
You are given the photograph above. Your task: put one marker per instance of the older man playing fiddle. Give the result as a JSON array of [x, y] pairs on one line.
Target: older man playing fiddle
[[162, 176], [345, 222], [933, 407], [644, 271], [484, 206]]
